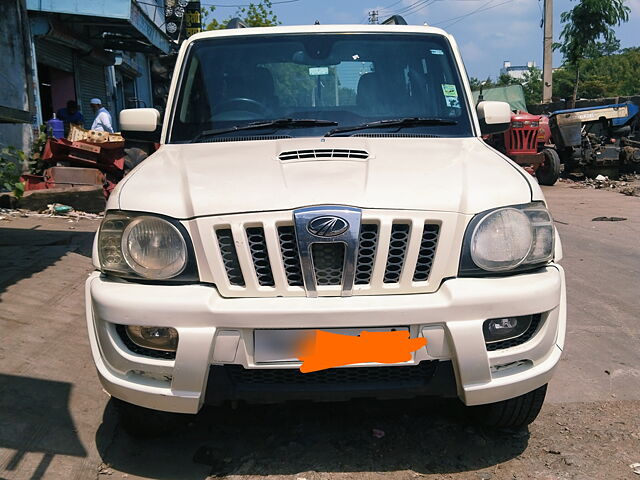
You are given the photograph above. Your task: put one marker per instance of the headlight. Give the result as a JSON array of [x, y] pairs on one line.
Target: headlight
[[141, 245], [154, 248], [508, 239]]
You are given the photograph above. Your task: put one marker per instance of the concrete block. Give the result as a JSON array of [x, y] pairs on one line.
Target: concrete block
[[88, 199]]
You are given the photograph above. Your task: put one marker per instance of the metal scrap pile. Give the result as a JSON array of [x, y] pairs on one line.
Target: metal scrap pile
[[84, 158]]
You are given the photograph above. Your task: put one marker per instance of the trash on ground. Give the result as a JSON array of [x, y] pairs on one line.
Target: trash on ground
[[377, 433], [608, 219]]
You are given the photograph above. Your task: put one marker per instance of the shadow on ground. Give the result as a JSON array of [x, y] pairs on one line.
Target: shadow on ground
[[24, 252], [422, 435], [35, 418]]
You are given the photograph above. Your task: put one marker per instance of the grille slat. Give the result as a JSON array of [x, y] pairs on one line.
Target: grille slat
[[290, 258], [397, 252], [427, 252], [328, 262], [260, 256], [367, 246], [230, 257]]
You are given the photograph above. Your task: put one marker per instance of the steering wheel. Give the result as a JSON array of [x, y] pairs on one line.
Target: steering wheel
[[243, 103]]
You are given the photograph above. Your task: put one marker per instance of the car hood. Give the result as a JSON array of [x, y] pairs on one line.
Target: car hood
[[440, 174]]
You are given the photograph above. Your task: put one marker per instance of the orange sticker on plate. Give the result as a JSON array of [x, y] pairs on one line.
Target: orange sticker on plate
[[322, 350]]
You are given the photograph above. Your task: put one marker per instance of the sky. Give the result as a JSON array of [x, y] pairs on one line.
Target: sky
[[488, 32]]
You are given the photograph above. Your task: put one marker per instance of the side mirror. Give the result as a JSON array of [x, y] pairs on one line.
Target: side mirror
[[140, 124], [494, 117]]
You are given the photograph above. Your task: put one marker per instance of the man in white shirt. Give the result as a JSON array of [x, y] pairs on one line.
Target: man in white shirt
[[102, 122]]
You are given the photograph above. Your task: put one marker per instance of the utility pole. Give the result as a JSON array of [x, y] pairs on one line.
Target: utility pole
[[547, 69], [373, 17]]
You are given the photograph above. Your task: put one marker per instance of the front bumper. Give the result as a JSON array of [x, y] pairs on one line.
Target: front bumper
[[214, 330]]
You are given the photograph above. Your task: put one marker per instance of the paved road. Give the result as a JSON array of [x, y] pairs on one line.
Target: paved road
[[56, 423]]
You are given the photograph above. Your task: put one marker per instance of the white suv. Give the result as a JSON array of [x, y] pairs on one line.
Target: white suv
[[324, 178]]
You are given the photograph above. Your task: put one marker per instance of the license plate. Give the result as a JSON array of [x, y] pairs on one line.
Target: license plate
[[273, 346]]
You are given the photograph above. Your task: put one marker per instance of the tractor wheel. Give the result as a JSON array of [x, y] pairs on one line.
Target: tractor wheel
[[549, 172]]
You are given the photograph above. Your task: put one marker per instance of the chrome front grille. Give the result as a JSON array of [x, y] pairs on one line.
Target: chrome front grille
[[258, 255]]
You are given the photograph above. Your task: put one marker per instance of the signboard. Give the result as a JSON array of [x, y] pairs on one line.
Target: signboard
[[192, 19], [183, 18]]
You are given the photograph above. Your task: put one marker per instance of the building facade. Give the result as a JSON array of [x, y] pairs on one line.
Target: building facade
[[516, 71], [86, 49]]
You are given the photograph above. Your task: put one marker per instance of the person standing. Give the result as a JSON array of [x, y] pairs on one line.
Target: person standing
[[70, 115], [102, 122]]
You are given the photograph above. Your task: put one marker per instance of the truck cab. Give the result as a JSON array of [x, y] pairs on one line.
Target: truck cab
[[324, 179]]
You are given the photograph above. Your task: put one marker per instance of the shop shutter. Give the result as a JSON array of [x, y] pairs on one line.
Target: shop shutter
[[54, 55], [90, 79]]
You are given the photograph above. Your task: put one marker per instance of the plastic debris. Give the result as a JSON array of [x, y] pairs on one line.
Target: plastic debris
[[377, 433], [636, 468], [59, 209]]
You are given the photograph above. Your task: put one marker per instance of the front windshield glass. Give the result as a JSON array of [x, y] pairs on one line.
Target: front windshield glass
[[238, 86]]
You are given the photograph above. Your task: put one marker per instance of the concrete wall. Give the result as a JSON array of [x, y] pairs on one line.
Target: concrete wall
[[14, 71]]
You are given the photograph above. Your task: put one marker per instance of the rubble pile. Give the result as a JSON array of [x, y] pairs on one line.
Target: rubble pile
[[52, 210], [627, 184]]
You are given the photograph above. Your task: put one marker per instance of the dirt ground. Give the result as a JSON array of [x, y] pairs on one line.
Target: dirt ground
[[57, 423]]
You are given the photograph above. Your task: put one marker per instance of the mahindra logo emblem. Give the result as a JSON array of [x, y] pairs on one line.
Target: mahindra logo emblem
[[328, 226]]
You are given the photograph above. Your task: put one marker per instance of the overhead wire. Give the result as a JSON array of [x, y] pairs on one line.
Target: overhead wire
[[479, 10]]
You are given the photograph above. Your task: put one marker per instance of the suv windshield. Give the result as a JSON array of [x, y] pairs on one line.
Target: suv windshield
[[317, 84]]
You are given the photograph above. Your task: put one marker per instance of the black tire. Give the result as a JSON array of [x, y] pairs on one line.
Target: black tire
[[548, 173], [516, 412], [140, 422]]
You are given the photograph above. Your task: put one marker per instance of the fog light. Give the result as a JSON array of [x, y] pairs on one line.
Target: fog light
[[499, 329], [156, 338]]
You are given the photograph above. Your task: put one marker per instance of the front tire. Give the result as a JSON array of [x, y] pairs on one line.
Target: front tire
[[548, 173], [140, 422], [515, 412]]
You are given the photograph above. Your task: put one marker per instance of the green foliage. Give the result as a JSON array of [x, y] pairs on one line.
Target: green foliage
[[603, 76], [255, 15], [584, 26], [10, 161], [292, 82], [531, 84], [36, 165]]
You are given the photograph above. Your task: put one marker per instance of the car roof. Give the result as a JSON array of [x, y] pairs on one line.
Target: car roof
[[317, 29]]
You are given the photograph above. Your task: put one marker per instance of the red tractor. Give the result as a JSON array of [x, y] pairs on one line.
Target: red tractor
[[528, 143], [528, 140]]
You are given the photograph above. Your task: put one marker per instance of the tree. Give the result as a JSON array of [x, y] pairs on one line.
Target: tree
[[585, 24], [255, 15], [532, 85], [604, 76]]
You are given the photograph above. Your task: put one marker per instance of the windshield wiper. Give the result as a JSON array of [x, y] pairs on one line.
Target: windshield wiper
[[277, 123], [392, 123]]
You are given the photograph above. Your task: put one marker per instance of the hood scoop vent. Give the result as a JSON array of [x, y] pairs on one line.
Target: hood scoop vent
[[321, 154]]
